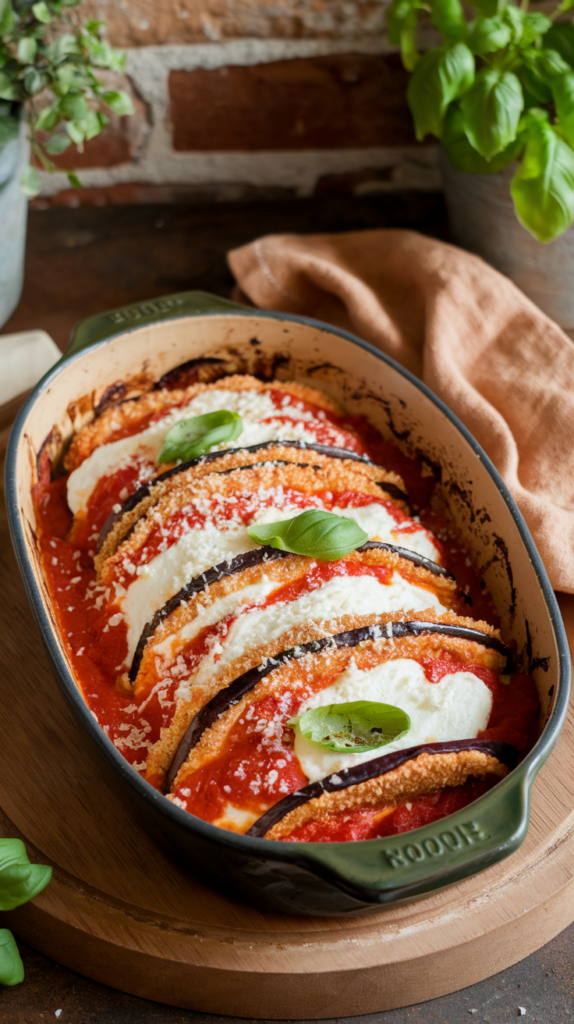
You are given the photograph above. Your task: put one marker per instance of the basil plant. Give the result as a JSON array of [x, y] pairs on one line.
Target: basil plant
[[49, 67], [500, 88]]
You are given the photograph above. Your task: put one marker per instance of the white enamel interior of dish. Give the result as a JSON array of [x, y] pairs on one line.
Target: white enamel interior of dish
[[366, 386]]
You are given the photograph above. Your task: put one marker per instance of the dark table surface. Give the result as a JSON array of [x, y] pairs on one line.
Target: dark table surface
[[82, 261]]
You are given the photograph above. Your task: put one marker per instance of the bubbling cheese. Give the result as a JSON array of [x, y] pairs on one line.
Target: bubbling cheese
[[342, 595], [456, 708], [199, 549], [252, 406]]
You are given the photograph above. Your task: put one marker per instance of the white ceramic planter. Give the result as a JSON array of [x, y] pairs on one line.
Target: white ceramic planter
[[483, 220], [13, 216]]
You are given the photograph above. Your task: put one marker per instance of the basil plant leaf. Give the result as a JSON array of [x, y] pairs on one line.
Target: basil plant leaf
[[314, 533], [402, 19], [464, 157], [353, 727], [489, 7], [491, 111], [560, 38], [193, 437], [543, 186], [448, 17], [488, 35], [563, 96], [9, 128], [11, 966], [440, 77], [20, 881]]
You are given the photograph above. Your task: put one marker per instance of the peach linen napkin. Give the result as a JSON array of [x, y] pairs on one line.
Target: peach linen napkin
[[472, 336]]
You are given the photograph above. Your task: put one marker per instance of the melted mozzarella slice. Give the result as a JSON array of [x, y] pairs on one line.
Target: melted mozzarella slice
[[343, 595], [199, 549], [457, 708], [252, 406]]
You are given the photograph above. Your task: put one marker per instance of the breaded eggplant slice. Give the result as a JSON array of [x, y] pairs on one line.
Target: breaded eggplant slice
[[392, 780], [120, 523], [190, 530], [123, 418], [333, 478], [171, 624], [199, 729]]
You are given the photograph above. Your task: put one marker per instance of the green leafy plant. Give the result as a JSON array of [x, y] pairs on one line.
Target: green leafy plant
[[314, 533], [353, 727], [193, 437], [49, 67], [20, 881], [499, 89]]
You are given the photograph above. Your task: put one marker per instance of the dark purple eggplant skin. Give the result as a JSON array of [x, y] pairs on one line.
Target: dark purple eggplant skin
[[259, 556], [231, 694], [323, 449], [505, 753], [245, 561]]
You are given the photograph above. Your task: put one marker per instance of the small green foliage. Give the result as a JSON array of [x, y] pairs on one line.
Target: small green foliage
[[49, 67], [188, 439], [439, 78], [543, 186], [315, 533], [472, 92], [11, 966], [354, 727], [20, 881], [491, 111]]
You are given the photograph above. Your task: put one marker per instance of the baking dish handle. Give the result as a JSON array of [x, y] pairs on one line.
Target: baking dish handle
[[128, 318], [445, 852]]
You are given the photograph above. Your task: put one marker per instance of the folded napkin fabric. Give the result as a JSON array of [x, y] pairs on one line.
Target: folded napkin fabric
[[472, 336]]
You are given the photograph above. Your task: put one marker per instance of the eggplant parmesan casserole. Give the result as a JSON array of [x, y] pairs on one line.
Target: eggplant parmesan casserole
[[268, 616]]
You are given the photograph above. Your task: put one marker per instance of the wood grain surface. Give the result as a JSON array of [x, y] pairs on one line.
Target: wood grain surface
[[119, 911]]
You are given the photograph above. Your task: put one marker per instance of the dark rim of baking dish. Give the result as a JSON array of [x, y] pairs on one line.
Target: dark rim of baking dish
[[329, 861]]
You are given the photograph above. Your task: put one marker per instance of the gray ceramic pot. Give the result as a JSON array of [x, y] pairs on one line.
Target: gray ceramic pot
[[483, 220], [13, 215]]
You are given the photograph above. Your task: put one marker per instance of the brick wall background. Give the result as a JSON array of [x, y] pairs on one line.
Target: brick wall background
[[251, 98]]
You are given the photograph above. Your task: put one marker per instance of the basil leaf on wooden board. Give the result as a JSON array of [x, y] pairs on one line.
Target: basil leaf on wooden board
[[11, 966], [464, 157], [491, 111], [193, 437], [543, 186], [314, 533], [440, 76], [20, 881], [354, 727]]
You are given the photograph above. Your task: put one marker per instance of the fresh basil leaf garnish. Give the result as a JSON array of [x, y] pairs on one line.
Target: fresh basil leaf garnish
[[193, 437], [353, 727], [20, 881], [314, 533], [11, 966]]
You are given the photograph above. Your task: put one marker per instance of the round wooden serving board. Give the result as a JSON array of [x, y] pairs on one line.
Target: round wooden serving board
[[119, 911]]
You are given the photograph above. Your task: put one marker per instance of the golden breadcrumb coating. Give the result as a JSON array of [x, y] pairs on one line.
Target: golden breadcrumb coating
[[126, 415], [294, 674], [305, 479], [238, 458], [282, 571], [424, 774]]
